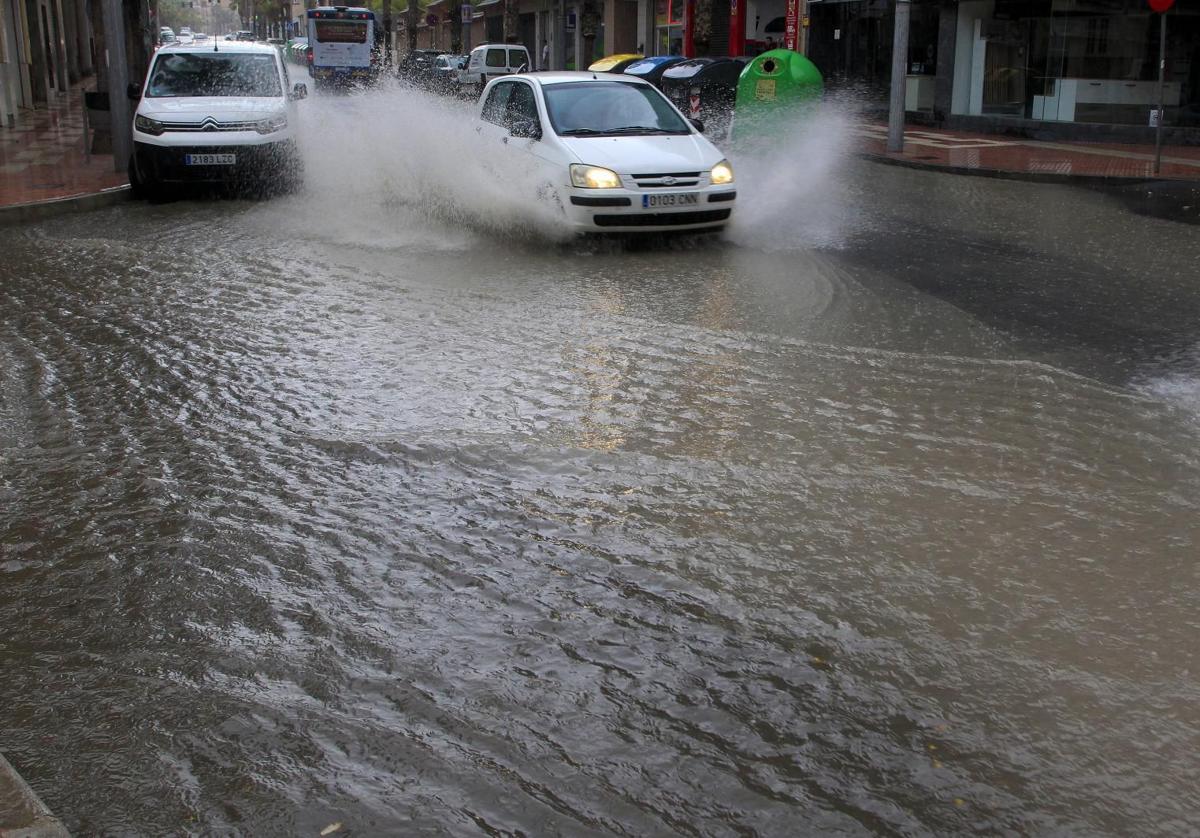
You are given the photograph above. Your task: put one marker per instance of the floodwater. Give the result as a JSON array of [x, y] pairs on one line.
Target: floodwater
[[385, 507]]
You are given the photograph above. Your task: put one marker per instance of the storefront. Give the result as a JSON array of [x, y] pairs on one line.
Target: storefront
[[1076, 61]]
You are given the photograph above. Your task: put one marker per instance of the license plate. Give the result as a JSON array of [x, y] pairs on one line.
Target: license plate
[[670, 199], [210, 159]]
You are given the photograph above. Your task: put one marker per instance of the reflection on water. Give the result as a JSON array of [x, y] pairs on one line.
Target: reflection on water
[[437, 536]]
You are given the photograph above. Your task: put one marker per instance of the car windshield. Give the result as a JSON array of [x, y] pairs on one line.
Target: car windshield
[[214, 74], [610, 108]]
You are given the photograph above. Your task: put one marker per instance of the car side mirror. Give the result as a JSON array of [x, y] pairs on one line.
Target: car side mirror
[[697, 124], [462, 66], [526, 128], [134, 91], [300, 91]]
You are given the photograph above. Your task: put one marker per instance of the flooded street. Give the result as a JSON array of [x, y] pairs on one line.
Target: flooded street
[[877, 516]]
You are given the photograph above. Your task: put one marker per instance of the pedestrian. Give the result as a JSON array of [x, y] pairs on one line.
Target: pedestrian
[[770, 43], [545, 54]]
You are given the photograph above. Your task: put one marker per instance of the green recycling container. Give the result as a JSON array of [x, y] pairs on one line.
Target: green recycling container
[[776, 87]]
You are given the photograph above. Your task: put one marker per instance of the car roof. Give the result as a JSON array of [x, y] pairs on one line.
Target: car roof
[[223, 46], [560, 77]]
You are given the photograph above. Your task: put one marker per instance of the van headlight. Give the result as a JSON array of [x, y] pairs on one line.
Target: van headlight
[[594, 177], [147, 125], [271, 124], [722, 173]]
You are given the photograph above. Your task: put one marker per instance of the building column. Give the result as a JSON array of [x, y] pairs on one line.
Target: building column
[[943, 85], [117, 70]]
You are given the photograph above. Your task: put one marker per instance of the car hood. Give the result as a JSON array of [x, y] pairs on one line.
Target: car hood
[[630, 155], [220, 108]]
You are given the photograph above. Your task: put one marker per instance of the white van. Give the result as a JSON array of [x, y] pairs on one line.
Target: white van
[[221, 113], [490, 60]]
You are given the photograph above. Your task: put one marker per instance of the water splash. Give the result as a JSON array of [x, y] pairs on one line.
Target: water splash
[[791, 184], [395, 155], [397, 166]]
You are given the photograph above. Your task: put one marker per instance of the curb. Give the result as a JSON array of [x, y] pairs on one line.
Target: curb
[[38, 210], [1029, 177], [22, 813]]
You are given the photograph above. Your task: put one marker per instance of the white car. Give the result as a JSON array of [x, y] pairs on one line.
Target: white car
[[616, 153], [220, 113]]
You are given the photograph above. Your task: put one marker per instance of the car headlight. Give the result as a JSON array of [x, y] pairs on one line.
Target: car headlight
[[147, 125], [593, 177], [271, 124], [722, 173]]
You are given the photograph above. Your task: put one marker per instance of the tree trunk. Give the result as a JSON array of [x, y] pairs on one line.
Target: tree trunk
[[511, 20], [455, 29], [411, 24], [589, 25], [387, 33]]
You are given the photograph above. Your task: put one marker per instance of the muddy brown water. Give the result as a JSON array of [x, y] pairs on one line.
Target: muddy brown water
[[372, 520]]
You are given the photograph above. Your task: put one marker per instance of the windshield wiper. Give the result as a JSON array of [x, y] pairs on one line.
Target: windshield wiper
[[635, 129], [570, 132]]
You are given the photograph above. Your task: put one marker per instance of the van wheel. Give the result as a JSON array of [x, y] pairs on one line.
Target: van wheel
[[140, 188]]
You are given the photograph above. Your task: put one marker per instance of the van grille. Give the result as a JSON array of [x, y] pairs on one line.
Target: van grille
[[208, 125]]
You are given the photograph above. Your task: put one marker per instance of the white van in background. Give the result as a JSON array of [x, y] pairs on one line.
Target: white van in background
[[487, 61]]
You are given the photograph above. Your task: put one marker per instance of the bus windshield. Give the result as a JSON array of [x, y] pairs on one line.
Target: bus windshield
[[213, 74], [341, 31]]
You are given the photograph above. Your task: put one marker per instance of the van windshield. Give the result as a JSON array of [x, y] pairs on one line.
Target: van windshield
[[213, 74]]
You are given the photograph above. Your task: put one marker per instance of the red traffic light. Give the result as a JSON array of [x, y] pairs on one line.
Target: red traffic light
[[1161, 6]]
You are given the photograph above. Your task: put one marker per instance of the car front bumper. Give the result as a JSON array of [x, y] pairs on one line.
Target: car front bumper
[[260, 162], [625, 211]]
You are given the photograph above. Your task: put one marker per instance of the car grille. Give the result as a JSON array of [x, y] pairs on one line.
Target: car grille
[[666, 180], [662, 219], [208, 125]]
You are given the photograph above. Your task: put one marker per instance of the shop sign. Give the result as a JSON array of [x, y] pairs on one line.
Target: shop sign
[[467, 11], [791, 26], [1161, 6]]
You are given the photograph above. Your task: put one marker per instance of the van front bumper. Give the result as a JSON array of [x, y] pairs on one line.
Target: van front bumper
[[259, 163]]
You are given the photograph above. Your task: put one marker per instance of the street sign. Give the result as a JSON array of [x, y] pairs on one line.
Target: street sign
[[467, 11], [1161, 6]]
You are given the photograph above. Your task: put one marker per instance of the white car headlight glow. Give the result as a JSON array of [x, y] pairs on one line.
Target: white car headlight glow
[[271, 124], [722, 173], [593, 177], [147, 125]]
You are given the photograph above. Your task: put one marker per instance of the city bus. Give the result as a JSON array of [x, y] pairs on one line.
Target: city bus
[[343, 45]]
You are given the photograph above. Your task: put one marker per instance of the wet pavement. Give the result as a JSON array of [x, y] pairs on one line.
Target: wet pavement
[[878, 516]]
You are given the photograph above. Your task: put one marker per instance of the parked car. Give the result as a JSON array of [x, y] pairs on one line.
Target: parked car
[[614, 152], [214, 116], [490, 60], [444, 76], [166, 35], [416, 66]]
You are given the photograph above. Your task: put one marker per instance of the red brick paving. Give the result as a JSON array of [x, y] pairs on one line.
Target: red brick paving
[[42, 156], [994, 153]]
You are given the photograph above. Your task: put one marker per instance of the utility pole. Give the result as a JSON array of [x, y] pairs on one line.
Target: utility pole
[[895, 138]]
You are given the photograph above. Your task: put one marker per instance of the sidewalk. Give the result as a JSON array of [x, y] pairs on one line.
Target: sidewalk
[[991, 154], [22, 814], [42, 158]]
